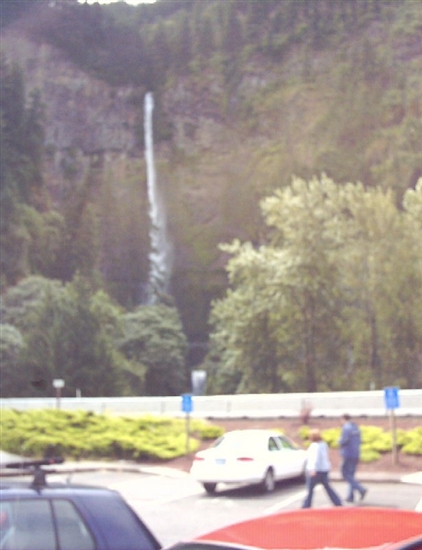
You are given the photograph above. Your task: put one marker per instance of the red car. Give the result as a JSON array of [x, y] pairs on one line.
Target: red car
[[332, 528]]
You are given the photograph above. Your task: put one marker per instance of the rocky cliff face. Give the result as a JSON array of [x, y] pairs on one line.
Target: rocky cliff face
[[353, 112], [92, 134], [85, 118], [94, 130]]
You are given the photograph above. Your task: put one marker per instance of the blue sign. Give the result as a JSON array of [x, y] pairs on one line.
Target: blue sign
[[187, 404], [391, 398]]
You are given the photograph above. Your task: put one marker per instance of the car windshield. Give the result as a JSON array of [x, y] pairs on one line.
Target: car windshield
[[237, 441]]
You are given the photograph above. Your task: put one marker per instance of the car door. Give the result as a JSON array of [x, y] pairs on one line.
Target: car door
[[284, 457], [276, 457], [292, 457]]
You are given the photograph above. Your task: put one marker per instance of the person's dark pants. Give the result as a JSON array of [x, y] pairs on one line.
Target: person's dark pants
[[348, 470], [312, 481]]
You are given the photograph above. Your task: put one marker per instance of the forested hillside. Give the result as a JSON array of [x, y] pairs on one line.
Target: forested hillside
[[293, 126]]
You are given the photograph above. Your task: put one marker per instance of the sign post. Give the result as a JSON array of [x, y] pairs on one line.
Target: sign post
[[199, 381], [187, 407], [58, 384], [392, 402]]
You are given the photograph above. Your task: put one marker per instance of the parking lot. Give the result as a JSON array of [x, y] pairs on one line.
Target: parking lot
[[176, 507]]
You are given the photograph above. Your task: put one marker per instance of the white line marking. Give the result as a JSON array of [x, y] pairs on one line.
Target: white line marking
[[415, 478], [419, 506]]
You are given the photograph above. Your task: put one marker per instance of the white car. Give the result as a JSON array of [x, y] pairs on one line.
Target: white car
[[249, 456]]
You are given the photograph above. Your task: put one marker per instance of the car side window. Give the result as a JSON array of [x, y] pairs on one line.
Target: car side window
[[71, 529], [285, 444], [272, 444], [29, 525]]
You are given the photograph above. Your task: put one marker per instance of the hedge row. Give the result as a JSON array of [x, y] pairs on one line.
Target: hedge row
[[85, 435]]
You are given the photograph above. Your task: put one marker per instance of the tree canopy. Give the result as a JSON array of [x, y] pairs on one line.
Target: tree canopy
[[332, 300], [154, 344], [75, 331]]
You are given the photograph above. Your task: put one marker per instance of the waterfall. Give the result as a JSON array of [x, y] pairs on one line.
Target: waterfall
[[160, 256]]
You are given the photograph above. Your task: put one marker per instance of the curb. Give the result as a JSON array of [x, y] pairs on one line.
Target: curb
[[414, 478], [104, 466]]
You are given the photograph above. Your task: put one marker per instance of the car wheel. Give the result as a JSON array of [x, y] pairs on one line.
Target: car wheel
[[268, 483], [210, 487]]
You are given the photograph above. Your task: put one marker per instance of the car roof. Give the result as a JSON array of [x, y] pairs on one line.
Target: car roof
[[25, 489], [254, 432], [315, 528], [37, 484]]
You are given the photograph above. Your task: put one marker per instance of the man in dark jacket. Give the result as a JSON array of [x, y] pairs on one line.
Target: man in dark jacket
[[350, 451]]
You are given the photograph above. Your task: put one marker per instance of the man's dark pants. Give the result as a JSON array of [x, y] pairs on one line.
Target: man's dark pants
[[348, 470]]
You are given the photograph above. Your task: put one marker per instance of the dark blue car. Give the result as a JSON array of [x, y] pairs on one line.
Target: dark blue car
[[55, 516]]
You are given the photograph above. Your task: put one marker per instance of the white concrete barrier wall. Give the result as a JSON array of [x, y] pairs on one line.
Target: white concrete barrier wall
[[369, 403]]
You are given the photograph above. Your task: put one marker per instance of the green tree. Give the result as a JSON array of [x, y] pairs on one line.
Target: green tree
[[11, 344], [20, 302], [21, 180], [246, 330], [332, 301], [155, 345], [232, 34], [20, 305], [69, 332], [282, 316], [205, 37], [406, 310], [79, 248], [183, 43], [44, 234], [380, 261]]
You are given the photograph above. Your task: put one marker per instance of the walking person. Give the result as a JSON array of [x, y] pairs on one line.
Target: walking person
[[349, 444], [317, 469]]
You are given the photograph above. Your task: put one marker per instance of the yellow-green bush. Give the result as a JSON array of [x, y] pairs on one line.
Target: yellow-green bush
[[369, 434], [383, 443], [375, 440], [413, 442], [304, 432], [208, 431], [368, 454], [331, 436], [80, 434]]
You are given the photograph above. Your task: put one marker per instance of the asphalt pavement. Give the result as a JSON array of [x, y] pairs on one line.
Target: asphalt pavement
[[128, 466]]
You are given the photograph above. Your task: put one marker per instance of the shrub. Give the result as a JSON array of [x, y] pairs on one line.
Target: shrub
[[383, 443], [413, 448], [413, 442], [209, 431], [374, 440], [368, 454], [370, 434], [331, 436], [80, 434], [304, 432]]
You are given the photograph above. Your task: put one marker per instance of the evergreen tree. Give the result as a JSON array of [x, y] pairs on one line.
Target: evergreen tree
[[154, 344], [70, 335]]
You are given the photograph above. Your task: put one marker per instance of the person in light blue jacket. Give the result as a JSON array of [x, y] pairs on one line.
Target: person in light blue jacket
[[317, 469], [349, 444]]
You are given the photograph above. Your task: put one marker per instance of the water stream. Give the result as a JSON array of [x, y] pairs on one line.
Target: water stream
[[160, 256]]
